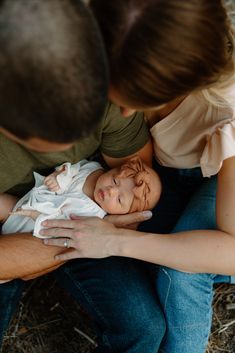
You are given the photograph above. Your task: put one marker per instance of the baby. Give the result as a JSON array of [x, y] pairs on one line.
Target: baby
[[85, 189], [82, 189]]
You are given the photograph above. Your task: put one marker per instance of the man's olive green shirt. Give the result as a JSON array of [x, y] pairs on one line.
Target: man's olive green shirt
[[115, 136]]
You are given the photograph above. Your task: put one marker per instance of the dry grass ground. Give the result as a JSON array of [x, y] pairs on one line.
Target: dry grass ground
[[48, 321]]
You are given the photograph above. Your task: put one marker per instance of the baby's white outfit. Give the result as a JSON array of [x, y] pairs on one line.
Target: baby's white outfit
[[70, 199]]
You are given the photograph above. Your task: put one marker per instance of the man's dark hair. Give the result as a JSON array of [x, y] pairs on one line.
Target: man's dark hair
[[53, 70]]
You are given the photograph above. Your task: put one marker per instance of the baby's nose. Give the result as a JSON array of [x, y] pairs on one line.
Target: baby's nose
[[113, 190]]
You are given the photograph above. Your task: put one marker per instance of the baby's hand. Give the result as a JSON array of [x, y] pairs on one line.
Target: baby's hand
[[51, 182]]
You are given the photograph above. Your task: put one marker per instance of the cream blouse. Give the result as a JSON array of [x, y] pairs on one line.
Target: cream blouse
[[195, 134]]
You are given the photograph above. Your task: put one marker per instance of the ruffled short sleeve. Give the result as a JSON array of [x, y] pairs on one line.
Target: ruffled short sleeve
[[220, 146]]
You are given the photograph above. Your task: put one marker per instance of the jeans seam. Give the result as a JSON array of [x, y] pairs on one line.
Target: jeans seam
[[168, 290], [91, 302]]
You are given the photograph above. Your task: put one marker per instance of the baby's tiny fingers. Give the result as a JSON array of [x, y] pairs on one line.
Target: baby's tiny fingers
[[49, 182], [54, 188]]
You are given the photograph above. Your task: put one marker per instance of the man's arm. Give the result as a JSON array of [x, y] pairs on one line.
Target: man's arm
[[145, 153], [24, 256], [7, 202]]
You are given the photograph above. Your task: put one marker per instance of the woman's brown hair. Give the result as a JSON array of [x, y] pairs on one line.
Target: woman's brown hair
[[162, 49]]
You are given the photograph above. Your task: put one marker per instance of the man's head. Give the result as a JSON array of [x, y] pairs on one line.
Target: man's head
[[54, 77], [132, 187]]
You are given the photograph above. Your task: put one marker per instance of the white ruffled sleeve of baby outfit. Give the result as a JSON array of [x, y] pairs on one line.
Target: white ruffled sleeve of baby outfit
[[220, 146], [65, 178]]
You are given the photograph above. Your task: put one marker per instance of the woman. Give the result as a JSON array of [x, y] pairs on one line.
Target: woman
[[175, 60]]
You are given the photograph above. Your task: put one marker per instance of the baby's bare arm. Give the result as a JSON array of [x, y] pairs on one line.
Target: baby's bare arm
[[26, 213]]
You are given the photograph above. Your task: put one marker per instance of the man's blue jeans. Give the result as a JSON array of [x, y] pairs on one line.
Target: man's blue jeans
[[117, 293], [188, 202]]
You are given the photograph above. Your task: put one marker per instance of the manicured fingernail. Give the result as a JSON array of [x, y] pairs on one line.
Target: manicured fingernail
[[44, 223], [45, 241], [147, 214], [57, 257]]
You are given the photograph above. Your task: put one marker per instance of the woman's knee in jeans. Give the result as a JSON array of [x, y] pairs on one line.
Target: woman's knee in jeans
[[188, 293]]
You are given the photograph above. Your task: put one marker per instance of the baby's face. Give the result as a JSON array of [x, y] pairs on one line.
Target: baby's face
[[114, 194]]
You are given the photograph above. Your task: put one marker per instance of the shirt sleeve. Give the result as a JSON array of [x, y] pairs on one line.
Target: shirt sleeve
[[65, 178], [122, 136], [220, 146]]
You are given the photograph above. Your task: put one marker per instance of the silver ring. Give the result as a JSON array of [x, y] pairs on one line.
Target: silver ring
[[66, 243]]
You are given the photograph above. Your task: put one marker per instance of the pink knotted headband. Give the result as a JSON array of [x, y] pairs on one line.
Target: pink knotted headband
[[134, 168]]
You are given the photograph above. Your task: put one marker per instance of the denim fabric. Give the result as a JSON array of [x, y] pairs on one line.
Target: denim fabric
[[188, 202], [10, 294], [118, 295]]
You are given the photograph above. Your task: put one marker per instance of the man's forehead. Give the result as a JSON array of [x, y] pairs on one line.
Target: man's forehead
[[37, 144]]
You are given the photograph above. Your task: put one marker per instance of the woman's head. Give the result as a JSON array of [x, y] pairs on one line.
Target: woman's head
[[162, 49]]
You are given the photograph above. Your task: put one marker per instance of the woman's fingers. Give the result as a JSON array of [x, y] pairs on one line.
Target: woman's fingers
[[88, 237], [62, 228], [76, 222], [63, 242], [57, 232], [68, 255], [127, 220], [59, 223]]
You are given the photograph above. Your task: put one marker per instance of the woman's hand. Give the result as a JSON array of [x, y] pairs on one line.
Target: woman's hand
[[130, 220], [89, 237]]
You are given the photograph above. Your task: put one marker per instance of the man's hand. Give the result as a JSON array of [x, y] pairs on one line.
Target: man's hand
[[24, 256]]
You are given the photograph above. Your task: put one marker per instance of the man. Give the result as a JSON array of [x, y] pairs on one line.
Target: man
[[52, 93]]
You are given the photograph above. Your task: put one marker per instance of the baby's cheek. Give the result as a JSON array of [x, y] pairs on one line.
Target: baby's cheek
[[111, 208]]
